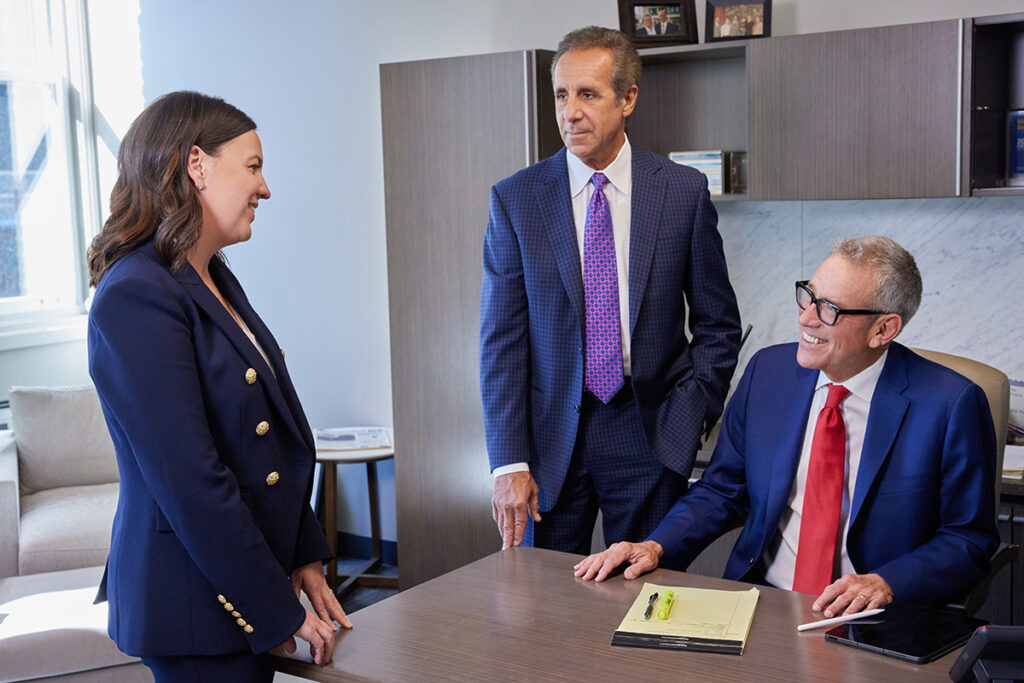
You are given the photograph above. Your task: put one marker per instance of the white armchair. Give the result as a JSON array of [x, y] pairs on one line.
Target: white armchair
[[58, 482], [9, 510]]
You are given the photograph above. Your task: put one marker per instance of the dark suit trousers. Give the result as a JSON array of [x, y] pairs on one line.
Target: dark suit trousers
[[614, 470], [238, 666]]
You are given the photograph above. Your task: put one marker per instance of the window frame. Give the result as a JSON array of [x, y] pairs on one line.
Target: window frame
[[70, 38]]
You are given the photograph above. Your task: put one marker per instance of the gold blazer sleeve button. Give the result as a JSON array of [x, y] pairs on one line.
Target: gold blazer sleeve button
[[262, 428], [282, 353], [228, 606], [247, 629], [221, 599], [236, 614], [273, 478], [240, 621], [250, 376]]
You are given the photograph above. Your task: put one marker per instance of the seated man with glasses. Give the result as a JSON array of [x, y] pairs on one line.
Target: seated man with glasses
[[864, 473]]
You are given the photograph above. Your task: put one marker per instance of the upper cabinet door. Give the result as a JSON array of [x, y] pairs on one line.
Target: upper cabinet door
[[862, 114]]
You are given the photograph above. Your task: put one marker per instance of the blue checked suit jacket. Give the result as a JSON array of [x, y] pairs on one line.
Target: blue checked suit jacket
[[922, 514], [532, 317]]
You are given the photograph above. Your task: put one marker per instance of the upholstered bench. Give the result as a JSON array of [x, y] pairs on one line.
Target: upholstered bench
[[49, 627]]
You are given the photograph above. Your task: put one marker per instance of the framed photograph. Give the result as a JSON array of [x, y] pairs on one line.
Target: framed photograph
[[737, 20], [653, 25]]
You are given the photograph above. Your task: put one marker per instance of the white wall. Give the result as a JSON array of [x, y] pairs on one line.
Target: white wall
[[307, 72]]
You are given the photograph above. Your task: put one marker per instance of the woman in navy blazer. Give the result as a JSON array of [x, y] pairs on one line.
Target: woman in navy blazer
[[213, 538]]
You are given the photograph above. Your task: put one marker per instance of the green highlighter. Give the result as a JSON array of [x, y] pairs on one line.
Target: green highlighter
[[666, 605]]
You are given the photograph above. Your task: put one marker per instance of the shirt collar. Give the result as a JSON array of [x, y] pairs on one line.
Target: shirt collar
[[618, 172], [862, 385]]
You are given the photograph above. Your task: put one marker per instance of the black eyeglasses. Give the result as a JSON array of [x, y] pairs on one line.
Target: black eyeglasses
[[828, 312]]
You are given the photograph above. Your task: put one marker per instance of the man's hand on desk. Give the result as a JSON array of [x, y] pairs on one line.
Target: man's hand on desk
[[642, 557], [515, 497], [853, 593]]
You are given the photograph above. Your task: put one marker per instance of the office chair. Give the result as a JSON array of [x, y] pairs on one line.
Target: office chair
[[996, 386]]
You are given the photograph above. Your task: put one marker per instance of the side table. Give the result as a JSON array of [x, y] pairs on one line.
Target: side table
[[361, 575]]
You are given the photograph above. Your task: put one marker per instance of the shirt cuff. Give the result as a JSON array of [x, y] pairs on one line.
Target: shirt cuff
[[509, 469]]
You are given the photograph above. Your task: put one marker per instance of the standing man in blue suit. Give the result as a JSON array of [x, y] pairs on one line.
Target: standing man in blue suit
[[595, 263], [913, 513]]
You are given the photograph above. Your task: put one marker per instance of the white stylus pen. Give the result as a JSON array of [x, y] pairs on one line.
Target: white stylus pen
[[839, 620]]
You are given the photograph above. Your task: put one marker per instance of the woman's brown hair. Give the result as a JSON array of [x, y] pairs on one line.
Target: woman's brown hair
[[154, 198]]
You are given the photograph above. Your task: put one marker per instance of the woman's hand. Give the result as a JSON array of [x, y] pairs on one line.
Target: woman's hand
[[319, 635], [310, 580], [317, 629]]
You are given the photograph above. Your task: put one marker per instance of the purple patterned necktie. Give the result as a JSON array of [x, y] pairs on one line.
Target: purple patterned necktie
[[603, 360]]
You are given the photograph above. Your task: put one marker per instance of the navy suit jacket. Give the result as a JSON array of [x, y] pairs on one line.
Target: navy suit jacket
[[199, 513], [532, 317], [922, 514]]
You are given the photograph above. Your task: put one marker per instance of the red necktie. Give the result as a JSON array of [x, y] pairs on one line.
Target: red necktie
[[823, 497]]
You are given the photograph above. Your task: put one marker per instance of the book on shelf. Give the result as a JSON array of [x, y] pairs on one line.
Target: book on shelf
[[708, 162], [1013, 462]]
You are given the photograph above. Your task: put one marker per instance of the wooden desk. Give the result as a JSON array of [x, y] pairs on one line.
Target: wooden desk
[[1012, 492], [361, 575], [520, 614]]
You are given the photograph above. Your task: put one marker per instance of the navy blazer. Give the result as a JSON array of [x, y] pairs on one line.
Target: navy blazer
[[532, 317], [213, 512], [922, 514]]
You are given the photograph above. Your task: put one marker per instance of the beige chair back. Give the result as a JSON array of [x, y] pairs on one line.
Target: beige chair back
[[996, 386]]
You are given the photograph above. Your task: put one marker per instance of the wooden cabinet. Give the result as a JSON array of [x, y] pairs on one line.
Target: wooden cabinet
[[451, 129], [994, 79], [864, 114]]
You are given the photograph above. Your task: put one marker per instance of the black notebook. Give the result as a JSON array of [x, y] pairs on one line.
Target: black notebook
[[913, 633]]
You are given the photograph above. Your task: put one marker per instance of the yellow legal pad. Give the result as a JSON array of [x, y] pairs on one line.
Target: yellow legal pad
[[701, 620]]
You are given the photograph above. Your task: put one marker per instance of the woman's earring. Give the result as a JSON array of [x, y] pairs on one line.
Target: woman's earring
[[202, 187]]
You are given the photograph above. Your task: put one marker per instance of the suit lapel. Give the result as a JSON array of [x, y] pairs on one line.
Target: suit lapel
[[555, 204], [888, 408], [790, 442], [205, 299], [648, 195], [283, 387]]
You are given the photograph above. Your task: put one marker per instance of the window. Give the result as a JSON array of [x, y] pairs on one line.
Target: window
[[46, 206]]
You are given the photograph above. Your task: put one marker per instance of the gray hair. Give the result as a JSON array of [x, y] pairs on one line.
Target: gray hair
[[898, 281], [626, 62]]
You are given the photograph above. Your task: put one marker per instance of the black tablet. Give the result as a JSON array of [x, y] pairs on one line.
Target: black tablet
[[913, 633]]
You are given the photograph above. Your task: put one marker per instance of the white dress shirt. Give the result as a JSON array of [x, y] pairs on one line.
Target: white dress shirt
[[780, 557], [617, 191]]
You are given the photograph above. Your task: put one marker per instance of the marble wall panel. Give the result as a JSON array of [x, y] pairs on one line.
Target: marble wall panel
[[970, 253]]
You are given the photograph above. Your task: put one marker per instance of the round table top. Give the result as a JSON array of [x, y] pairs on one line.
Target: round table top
[[356, 455]]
